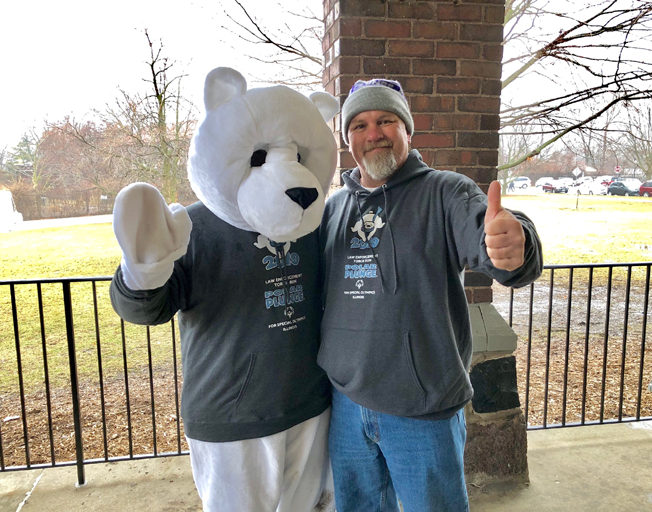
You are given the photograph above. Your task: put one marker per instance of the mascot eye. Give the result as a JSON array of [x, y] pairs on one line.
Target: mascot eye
[[258, 158], [298, 158]]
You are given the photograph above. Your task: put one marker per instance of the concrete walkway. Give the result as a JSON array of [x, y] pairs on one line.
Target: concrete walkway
[[581, 469], [585, 469], [29, 225]]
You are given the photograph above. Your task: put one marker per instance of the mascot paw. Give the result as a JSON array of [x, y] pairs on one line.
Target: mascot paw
[[151, 235]]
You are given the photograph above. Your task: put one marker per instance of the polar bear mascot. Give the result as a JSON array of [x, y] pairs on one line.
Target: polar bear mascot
[[240, 267]]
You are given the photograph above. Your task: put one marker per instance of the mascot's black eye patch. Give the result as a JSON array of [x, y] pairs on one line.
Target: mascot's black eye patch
[[298, 158], [258, 158]]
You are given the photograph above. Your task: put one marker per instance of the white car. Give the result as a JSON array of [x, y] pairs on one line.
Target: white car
[[542, 181], [567, 182], [588, 188], [631, 182], [522, 182]]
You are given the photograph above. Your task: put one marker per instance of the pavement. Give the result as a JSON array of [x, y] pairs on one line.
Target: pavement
[[593, 469], [28, 225]]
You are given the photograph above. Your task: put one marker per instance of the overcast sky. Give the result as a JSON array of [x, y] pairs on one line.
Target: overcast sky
[[66, 57]]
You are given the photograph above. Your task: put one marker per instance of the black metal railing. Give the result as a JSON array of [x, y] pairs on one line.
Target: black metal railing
[[582, 344], [69, 389], [80, 386]]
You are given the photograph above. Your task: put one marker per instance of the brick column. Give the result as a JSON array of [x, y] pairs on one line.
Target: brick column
[[447, 56]]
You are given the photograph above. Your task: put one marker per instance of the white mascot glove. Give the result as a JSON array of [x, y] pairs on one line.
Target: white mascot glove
[[152, 235]]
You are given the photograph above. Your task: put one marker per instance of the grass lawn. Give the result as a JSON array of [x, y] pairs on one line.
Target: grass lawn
[[589, 229], [72, 251]]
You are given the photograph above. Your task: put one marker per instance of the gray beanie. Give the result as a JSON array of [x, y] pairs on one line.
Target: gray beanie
[[376, 94]]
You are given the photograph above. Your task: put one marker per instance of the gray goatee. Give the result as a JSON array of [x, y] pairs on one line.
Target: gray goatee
[[380, 166]]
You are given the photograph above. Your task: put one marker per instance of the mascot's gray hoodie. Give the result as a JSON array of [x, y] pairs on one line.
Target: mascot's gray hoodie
[[249, 365], [396, 334]]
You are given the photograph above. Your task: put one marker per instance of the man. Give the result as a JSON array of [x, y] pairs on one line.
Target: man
[[396, 335]]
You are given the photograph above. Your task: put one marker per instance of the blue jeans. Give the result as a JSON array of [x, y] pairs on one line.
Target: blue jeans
[[379, 459]]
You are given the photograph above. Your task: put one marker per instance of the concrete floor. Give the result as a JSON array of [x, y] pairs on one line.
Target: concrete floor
[[593, 469], [598, 468]]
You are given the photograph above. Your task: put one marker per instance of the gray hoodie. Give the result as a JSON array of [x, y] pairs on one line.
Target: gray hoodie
[[396, 334], [249, 359]]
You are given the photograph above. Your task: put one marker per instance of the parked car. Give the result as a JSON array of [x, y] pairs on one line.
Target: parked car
[[645, 189], [588, 188], [632, 183], [583, 179], [567, 182], [606, 180], [542, 181], [621, 188], [555, 187], [522, 182]]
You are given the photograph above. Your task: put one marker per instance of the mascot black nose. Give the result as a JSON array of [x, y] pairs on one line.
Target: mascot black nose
[[304, 197]]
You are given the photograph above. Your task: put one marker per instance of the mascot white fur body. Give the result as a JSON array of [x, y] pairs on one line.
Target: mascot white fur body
[[241, 269]]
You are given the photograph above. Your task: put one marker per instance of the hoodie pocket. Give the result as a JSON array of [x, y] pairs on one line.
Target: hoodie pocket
[[277, 382], [374, 369]]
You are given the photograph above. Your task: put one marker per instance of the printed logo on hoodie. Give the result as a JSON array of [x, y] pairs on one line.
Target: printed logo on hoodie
[[283, 249], [285, 289], [366, 228], [362, 265]]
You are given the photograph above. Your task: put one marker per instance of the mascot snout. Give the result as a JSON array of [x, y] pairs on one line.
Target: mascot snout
[[303, 196], [291, 206]]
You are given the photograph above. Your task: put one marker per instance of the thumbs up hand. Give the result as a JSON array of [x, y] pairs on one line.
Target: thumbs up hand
[[504, 236]]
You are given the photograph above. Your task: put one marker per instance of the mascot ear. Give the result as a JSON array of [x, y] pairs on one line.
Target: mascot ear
[[221, 85], [327, 105]]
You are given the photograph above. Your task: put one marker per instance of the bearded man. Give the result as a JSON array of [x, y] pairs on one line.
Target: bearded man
[[396, 334]]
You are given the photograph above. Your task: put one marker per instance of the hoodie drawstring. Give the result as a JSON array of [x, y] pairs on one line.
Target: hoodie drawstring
[[280, 258], [391, 236]]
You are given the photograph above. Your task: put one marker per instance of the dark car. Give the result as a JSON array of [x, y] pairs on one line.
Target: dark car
[[620, 188], [645, 189]]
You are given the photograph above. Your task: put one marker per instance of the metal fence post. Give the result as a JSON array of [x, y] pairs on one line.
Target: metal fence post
[[74, 382]]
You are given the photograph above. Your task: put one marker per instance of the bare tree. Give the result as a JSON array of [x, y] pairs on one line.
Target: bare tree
[[637, 141], [294, 47], [595, 144], [80, 154], [595, 58], [143, 136], [520, 142], [566, 63], [26, 163]]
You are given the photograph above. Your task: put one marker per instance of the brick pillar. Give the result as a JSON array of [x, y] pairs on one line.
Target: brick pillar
[[447, 56]]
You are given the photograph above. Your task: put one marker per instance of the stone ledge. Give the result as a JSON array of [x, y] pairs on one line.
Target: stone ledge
[[488, 417], [491, 333]]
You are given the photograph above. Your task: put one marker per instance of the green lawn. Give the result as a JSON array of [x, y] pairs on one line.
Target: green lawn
[[593, 229], [600, 229], [75, 251]]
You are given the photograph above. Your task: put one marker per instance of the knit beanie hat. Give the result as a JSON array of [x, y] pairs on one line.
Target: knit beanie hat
[[376, 94]]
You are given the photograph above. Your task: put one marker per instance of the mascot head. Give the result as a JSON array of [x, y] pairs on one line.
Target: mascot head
[[262, 159]]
